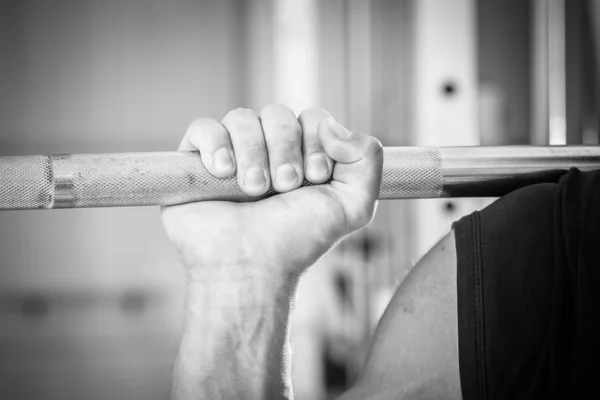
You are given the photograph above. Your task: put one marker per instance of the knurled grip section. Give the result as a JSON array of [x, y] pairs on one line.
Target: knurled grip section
[[138, 179], [411, 173], [26, 182], [168, 178]]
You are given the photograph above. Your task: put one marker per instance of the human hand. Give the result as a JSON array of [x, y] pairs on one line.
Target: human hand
[[279, 237]]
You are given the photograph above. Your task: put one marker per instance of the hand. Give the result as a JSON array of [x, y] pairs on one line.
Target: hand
[[244, 259], [280, 236]]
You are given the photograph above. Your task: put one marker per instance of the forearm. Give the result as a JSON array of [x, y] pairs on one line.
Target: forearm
[[235, 342]]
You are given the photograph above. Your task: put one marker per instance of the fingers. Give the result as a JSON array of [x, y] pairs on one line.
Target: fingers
[[212, 140], [358, 168], [280, 148], [318, 166], [250, 150], [283, 136], [258, 149]]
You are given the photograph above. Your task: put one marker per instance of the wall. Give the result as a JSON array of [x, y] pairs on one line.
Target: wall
[[90, 300]]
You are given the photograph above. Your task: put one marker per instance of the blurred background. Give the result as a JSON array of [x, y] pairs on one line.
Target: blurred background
[[91, 299]]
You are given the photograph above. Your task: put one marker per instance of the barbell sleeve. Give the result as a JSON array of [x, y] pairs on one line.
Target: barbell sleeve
[[169, 178]]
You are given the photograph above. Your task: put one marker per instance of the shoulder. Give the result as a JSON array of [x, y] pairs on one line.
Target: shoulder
[[414, 353]]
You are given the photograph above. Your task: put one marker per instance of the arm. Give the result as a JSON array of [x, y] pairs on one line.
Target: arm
[[414, 352], [243, 260], [237, 347]]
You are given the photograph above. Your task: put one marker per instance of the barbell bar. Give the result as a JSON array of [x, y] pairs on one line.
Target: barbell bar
[[170, 178]]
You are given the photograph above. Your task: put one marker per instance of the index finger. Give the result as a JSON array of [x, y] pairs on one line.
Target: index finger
[[212, 140]]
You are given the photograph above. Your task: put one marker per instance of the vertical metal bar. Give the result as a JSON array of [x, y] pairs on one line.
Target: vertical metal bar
[[539, 72], [296, 52], [445, 98], [557, 73], [258, 48], [592, 132]]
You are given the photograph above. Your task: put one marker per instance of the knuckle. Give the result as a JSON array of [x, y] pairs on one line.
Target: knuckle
[[376, 146], [290, 145], [376, 143], [201, 131], [240, 116], [243, 126], [285, 131], [280, 123], [206, 132], [374, 149], [313, 112], [201, 125], [255, 150], [274, 110], [309, 120]]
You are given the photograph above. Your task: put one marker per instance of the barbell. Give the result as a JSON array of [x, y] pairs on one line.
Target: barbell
[[169, 178]]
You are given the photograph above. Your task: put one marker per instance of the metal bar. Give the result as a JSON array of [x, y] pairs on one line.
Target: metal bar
[[557, 77], [168, 178], [444, 97], [540, 108], [497, 170]]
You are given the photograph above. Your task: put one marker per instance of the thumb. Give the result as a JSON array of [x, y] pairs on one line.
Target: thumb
[[357, 171]]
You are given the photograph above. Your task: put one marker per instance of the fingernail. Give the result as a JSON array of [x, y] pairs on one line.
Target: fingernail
[[286, 176], [222, 160], [338, 129], [317, 167], [255, 179]]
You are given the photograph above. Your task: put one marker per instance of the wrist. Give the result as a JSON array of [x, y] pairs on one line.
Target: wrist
[[238, 325], [228, 302], [241, 284]]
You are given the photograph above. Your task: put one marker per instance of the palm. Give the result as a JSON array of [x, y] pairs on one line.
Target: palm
[[269, 227]]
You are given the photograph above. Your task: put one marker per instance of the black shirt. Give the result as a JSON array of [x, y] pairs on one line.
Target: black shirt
[[528, 293]]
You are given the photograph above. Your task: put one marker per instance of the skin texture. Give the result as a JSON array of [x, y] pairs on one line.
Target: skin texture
[[243, 260], [414, 352]]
